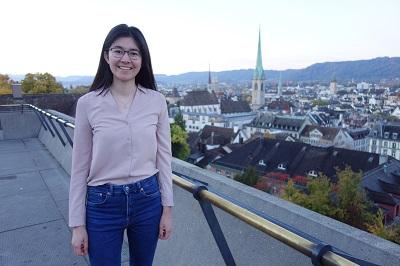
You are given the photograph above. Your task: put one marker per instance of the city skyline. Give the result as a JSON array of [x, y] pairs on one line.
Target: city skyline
[[188, 36]]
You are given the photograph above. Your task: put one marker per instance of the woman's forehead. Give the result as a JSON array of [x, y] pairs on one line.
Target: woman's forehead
[[125, 42]]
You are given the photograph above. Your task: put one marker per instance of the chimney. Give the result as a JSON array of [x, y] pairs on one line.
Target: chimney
[[16, 90]]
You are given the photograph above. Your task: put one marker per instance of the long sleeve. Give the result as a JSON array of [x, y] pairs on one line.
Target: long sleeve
[[164, 155], [81, 160]]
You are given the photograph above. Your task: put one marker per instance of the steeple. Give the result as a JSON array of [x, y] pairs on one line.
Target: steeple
[[259, 71], [209, 74], [280, 85]]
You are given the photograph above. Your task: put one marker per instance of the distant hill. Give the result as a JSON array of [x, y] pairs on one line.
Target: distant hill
[[372, 70], [360, 70]]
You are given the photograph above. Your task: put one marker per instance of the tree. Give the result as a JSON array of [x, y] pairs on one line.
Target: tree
[[377, 227], [352, 202], [179, 121], [250, 176], [41, 83], [319, 102], [79, 90], [5, 84], [180, 147]]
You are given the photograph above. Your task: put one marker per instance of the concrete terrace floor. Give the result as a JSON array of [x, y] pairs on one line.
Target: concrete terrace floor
[[34, 207]]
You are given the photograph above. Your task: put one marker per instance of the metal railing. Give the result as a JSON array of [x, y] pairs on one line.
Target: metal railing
[[319, 252]]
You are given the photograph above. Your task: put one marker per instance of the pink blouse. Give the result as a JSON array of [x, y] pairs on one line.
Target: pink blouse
[[119, 148]]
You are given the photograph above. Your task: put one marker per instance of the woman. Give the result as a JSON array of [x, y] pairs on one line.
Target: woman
[[121, 159]]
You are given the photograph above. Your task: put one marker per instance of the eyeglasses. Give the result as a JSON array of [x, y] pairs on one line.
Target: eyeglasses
[[119, 53]]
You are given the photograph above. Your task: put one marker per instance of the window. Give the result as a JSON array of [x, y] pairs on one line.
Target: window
[[394, 136], [261, 162], [384, 152], [312, 173], [394, 145], [386, 136], [375, 133], [394, 154], [281, 167], [385, 144]]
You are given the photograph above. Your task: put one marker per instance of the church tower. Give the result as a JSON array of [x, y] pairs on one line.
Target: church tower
[[280, 86], [333, 86], [257, 86]]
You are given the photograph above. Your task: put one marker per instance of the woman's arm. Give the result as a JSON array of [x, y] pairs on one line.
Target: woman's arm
[[81, 159]]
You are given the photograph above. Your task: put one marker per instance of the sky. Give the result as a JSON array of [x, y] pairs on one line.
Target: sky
[[64, 37]]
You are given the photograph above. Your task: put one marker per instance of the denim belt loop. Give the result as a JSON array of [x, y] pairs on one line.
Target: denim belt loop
[[111, 189]]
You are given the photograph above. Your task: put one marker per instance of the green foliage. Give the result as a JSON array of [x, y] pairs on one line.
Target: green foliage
[[5, 84], [40, 83], [179, 121], [352, 202], [180, 147], [391, 233], [79, 90], [319, 102], [344, 201], [294, 195], [250, 177]]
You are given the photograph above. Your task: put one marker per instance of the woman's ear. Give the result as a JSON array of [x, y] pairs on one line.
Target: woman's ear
[[106, 57]]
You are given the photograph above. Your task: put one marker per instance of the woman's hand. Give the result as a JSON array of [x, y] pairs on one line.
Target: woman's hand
[[80, 240], [165, 223]]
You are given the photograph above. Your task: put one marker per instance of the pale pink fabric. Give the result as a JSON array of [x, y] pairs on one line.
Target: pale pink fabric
[[119, 148]]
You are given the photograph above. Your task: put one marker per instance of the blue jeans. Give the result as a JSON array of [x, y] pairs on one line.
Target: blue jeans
[[110, 209]]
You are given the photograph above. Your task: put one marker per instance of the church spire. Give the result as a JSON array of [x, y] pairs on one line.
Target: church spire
[[209, 74], [259, 71]]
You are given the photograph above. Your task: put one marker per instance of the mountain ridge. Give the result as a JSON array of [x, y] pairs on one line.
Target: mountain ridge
[[370, 70]]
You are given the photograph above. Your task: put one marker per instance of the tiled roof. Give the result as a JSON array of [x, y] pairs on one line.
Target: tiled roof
[[216, 135], [392, 129], [195, 98], [272, 121], [300, 158], [229, 106], [358, 133], [384, 181], [329, 133]]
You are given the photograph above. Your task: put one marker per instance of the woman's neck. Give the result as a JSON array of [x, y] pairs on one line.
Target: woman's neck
[[123, 88]]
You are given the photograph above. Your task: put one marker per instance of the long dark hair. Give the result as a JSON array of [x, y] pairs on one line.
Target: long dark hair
[[104, 76]]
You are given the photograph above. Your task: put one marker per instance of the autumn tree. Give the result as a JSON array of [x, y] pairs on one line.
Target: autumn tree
[[40, 83], [180, 147], [351, 199], [5, 84], [250, 176]]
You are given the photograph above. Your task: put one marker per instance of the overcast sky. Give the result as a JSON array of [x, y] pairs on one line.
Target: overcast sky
[[65, 37]]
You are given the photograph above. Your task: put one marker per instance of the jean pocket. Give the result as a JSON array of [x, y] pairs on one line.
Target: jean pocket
[[150, 190], [96, 197]]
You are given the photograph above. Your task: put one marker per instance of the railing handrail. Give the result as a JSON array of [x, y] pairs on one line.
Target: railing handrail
[[66, 123], [291, 239]]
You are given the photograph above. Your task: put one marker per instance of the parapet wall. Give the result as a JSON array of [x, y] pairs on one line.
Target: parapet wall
[[192, 242]]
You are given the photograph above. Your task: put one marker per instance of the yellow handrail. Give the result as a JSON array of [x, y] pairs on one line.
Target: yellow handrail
[[289, 238]]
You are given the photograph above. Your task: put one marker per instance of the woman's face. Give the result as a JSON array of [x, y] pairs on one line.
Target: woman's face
[[124, 59]]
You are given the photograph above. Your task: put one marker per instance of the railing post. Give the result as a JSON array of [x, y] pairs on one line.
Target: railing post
[[62, 125], [213, 223], [58, 133]]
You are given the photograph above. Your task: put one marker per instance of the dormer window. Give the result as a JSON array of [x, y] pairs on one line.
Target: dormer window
[[375, 133], [386, 136], [394, 136], [281, 166], [261, 162], [312, 173]]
